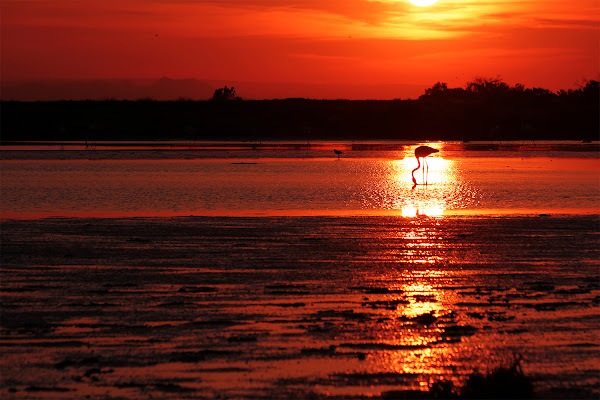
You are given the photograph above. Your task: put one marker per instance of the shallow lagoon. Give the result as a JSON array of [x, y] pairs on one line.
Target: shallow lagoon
[[461, 180], [334, 279]]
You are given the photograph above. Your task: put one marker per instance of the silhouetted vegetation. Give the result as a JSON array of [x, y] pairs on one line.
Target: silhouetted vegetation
[[486, 109], [224, 94], [506, 382]]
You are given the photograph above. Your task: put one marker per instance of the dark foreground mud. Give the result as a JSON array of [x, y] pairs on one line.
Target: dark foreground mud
[[295, 307]]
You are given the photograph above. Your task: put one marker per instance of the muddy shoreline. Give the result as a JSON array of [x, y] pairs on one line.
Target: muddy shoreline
[[302, 307]]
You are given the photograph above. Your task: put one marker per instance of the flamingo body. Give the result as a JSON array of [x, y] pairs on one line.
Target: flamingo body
[[338, 152], [422, 152]]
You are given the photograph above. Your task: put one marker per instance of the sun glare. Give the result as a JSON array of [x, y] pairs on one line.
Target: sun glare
[[423, 3], [423, 200]]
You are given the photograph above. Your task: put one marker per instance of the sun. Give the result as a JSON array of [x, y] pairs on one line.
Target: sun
[[423, 3]]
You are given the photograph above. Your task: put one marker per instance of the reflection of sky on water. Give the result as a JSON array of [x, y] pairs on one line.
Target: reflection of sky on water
[[287, 186], [352, 306]]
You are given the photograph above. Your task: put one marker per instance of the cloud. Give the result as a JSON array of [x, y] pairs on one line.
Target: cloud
[[568, 23]]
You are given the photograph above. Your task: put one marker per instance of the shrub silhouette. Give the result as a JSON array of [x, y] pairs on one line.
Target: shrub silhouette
[[506, 382], [224, 94], [502, 383]]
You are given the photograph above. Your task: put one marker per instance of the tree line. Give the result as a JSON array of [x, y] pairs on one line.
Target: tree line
[[485, 109]]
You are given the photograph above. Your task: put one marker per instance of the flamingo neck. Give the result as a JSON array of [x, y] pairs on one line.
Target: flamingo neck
[[413, 171]]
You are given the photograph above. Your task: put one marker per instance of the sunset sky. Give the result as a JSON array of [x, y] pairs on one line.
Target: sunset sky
[[552, 44]]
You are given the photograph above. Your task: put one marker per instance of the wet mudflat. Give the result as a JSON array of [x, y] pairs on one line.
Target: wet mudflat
[[303, 307]]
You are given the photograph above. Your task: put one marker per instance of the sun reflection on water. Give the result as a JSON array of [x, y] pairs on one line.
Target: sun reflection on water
[[424, 314], [437, 173], [410, 211], [424, 200], [423, 299]]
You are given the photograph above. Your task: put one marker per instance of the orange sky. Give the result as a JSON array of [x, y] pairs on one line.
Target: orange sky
[[552, 44]]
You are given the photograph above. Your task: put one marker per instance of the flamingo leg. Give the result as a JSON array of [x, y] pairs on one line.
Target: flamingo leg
[[427, 173]]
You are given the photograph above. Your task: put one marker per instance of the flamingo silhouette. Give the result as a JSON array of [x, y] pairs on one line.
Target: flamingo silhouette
[[338, 152], [422, 152]]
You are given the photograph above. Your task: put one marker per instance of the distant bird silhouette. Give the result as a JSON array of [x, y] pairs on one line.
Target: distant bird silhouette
[[422, 152], [337, 152]]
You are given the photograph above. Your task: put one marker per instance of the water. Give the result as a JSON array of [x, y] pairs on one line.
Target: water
[[295, 307], [287, 273], [307, 182]]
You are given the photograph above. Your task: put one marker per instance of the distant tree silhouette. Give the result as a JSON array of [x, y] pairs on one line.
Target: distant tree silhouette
[[224, 94], [488, 86], [436, 89], [519, 88], [591, 89], [468, 113]]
